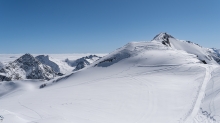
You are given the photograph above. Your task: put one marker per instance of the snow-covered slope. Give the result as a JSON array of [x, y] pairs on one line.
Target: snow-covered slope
[[187, 46], [27, 67], [210, 109], [45, 60], [157, 54], [141, 82], [82, 62], [215, 53], [63, 66]]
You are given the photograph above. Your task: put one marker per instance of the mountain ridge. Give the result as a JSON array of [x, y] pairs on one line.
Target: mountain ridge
[[27, 67], [45, 60]]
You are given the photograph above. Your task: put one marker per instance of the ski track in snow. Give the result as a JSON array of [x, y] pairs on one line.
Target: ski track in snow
[[200, 95], [28, 107], [153, 101], [125, 76], [212, 114]]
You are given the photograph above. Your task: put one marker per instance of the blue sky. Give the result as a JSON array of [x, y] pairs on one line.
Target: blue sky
[[101, 26]]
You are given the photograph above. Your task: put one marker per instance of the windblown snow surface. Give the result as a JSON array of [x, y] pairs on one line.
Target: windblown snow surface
[[142, 82]]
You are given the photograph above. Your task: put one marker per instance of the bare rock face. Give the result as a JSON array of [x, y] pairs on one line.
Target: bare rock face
[[27, 67], [164, 38]]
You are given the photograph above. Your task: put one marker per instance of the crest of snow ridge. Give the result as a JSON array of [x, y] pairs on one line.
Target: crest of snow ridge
[[164, 38], [167, 41]]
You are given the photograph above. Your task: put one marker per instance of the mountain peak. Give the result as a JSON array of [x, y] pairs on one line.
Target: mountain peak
[[27, 67], [27, 55], [162, 36], [27, 58]]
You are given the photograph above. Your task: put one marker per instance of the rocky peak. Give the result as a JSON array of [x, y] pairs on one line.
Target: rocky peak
[[27, 67], [163, 38], [27, 59]]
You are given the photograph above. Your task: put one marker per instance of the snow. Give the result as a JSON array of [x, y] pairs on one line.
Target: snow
[[141, 82], [209, 109], [82, 62], [137, 95], [11, 117], [217, 51], [189, 47], [59, 59], [1, 65], [27, 67], [5, 58], [45, 60]]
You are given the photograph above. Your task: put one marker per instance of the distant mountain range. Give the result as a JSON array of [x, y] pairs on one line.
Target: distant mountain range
[[82, 62], [39, 67], [27, 67]]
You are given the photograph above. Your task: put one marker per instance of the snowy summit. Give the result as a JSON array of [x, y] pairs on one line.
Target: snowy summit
[[165, 80]]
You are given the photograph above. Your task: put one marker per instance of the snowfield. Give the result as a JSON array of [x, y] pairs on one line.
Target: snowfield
[[161, 81]]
